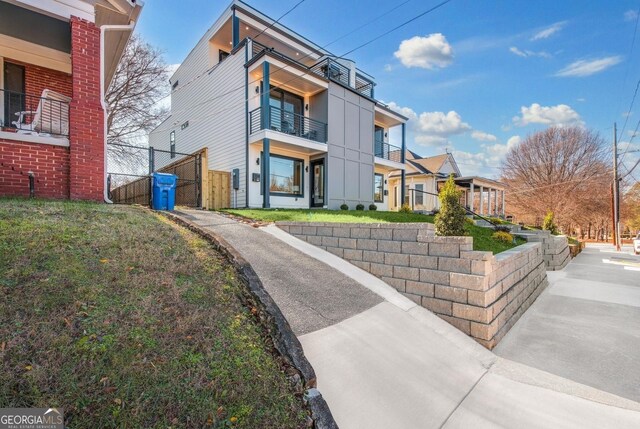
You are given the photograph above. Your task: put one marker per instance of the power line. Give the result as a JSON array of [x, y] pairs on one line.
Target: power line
[[624, 82], [397, 27]]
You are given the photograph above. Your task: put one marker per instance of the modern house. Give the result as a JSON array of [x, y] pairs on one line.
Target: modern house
[[56, 59], [295, 125], [425, 176]]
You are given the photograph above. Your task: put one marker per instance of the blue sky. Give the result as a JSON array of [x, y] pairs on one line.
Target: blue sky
[[475, 77]]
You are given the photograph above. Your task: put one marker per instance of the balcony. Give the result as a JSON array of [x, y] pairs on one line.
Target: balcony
[[387, 151], [288, 123], [328, 68], [41, 116]]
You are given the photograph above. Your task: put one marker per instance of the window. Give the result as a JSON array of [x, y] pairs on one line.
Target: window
[[407, 195], [378, 188], [286, 176], [418, 197], [172, 144]]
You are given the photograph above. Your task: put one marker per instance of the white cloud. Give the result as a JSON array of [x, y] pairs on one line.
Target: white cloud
[[388, 67], [559, 115], [432, 128], [487, 162], [583, 68], [430, 52], [527, 53], [171, 68], [549, 31], [482, 136], [631, 15]]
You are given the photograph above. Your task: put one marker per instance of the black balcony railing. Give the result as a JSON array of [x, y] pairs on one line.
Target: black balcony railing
[[364, 86], [387, 151], [46, 115], [333, 70], [289, 123]]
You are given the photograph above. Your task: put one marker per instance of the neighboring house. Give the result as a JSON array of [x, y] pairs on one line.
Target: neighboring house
[[425, 176], [56, 59], [299, 126]]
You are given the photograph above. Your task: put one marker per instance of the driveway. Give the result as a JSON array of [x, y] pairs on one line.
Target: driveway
[[384, 362], [586, 325]]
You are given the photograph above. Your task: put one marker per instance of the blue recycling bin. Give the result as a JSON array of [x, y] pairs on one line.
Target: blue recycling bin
[[164, 191]]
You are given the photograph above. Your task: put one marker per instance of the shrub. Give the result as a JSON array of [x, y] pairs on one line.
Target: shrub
[[503, 237], [344, 207], [360, 207], [406, 208], [548, 224], [469, 221], [451, 218], [373, 207]]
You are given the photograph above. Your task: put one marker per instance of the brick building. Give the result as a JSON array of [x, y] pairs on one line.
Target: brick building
[[56, 59]]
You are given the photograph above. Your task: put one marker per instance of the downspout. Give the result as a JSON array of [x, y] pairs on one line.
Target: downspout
[[103, 102]]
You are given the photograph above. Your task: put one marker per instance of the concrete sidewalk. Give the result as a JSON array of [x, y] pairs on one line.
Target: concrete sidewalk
[[383, 362]]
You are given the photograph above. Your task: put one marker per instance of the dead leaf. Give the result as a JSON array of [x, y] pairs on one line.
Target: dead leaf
[[118, 401], [28, 367], [109, 389], [104, 261]]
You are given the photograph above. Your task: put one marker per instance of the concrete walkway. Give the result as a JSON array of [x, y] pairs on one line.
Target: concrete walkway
[[383, 362], [586, 325]]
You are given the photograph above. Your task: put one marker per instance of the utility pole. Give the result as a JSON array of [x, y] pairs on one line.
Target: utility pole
[[616, 191]]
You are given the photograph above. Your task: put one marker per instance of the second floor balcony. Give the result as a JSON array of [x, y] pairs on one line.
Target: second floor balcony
[[290, 123], [389, 152]]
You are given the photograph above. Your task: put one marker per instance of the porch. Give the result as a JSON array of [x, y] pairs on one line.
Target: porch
[[481, 195]]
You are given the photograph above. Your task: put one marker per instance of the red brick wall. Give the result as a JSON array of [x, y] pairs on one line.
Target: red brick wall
[[86, 177], [50, 165], [37, 79]]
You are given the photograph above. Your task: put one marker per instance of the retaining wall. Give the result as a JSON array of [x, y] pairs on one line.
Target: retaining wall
[[481, 294]]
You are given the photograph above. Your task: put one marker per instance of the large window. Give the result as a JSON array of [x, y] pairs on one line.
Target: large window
[[418, 198], [378, 188], [286, 176]]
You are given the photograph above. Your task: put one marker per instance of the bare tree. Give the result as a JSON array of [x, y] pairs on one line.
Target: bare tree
[[139, 83], [563, 170]]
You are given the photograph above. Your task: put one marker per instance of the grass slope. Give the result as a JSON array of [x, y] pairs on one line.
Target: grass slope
[[482, 239], [126, 320]]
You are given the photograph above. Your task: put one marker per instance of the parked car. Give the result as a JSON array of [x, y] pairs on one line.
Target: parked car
[[636, 244]]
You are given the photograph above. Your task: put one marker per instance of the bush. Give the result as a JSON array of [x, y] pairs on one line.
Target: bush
[[373, 207], [406, 208], [451, 218], [548, 224], [503, 237], [360, 207], [344, 207]]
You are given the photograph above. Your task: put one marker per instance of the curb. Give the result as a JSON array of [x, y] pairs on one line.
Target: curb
[[284, 340]]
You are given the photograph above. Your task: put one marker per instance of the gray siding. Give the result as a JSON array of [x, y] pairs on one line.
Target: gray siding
[[350, 165], [216, 120]]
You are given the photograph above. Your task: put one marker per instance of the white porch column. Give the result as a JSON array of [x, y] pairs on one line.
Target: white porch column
[[504, 212], [489, 202], [472, 196], [481, 200], [495, 196]]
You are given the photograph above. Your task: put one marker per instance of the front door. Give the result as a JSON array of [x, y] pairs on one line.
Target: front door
[[317, 183]]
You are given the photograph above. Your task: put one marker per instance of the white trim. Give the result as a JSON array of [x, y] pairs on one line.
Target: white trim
[[33, 138], [281, 66], [31, 53], [277, 136], [391, 114], [61, 9], [387, 163]]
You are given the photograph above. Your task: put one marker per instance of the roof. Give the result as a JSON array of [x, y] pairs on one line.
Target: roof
[[433, 164]]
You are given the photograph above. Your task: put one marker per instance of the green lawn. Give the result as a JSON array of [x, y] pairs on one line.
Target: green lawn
[[126, 320], [481, 236]]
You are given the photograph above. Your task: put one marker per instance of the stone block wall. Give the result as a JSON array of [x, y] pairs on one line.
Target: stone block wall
[[479, 293], [555, 248]]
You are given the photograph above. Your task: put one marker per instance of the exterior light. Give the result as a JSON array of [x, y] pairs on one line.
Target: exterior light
[[257, 161]]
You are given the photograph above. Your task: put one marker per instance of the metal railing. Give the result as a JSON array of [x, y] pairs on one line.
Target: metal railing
[[469, 211], [364, 86], [35, 114], [387, 151], [333, 70], [289, 123]]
